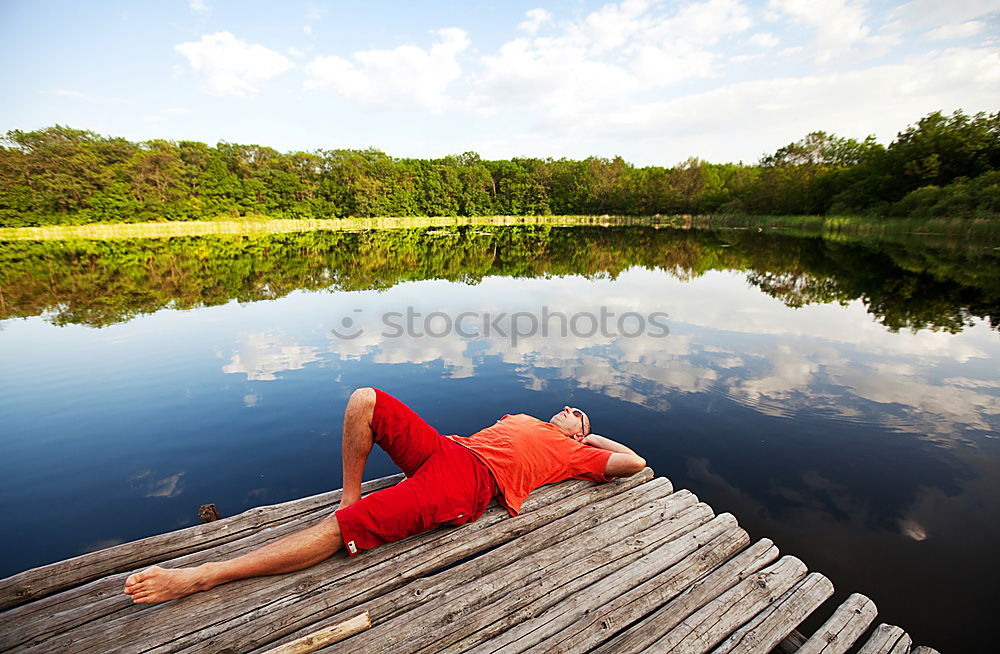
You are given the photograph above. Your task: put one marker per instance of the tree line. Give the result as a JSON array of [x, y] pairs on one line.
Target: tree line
[[100, 283], [944, 165]]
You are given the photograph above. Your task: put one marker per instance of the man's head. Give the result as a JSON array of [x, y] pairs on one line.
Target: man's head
[[572, 422]]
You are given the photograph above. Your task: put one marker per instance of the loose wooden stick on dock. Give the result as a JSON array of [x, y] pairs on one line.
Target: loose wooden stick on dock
[[325, 636]]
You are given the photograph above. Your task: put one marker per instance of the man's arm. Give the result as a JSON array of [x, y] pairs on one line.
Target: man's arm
[[623, 462]]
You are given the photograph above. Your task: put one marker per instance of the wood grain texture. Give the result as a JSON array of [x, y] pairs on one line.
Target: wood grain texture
[[510, 592], [774, 623], [626, 566], [842, 630], [325, 636], [711, 624], [883, 640], [596, 625], [47, 579], [641, 636]]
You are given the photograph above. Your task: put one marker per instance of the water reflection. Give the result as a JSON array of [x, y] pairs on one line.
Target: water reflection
[[104, 282], [799, 387], [825, 360], [260, 356]]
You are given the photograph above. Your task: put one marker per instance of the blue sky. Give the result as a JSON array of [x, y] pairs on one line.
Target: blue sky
[[654, 82]]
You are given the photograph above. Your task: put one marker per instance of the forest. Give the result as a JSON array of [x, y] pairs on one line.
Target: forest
[[104, 282], [944, 165]]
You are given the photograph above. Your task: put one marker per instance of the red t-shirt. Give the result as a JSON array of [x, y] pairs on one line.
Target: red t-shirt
[[524, 453]]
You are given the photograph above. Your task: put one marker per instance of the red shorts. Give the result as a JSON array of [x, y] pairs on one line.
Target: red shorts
[[445, 482]]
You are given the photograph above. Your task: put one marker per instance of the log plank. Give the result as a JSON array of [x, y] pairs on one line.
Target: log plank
[[596, 626], [544, 630], [711, 624], [640, 637], [503, 593], [428, 591], [243, 631], [47, 579], [774, 623], [842, 630], [883, 640], [102, 601], [320, 591], [555, 585], [902, 645]]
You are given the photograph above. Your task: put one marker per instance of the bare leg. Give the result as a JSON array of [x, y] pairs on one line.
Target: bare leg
[[357, 442], [293, 552]]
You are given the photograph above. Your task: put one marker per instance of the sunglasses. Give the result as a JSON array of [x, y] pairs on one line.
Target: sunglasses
[[579, 414]]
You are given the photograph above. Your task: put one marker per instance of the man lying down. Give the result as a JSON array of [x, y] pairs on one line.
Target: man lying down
[[450, 480]]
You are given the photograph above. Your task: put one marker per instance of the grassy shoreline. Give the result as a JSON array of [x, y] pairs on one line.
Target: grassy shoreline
[[833, 227]]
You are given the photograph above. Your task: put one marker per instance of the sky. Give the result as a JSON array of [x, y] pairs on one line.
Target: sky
[[653, 82]]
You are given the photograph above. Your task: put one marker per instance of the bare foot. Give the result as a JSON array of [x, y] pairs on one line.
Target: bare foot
[[158, 584]]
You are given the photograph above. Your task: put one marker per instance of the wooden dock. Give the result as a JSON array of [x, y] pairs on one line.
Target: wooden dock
[[629, 566]]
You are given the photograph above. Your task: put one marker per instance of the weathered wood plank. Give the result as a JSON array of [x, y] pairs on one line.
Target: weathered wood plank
[[103, 601], [321, 590], [596, 625], [325, 636], [500, 595], [640, 637], [770, 626], [490, 627], [544, 632], [924, 649], [845, 626], [622, 567], [429, 591], [902, 645], [44, 580], [528, 634], [242, 631], [711, 624], [884, 640]]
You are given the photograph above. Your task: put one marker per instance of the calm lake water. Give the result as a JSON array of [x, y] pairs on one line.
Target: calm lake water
[[840, 399]]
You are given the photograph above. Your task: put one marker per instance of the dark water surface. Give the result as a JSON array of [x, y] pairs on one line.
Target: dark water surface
[[840, 399]]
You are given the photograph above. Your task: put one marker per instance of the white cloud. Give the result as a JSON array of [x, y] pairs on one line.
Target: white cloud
[[919, 14], [261, 355], [231, 66], [933, 407], [150, 486], [308, 30], [763, 40], [388, 77], [535, 19], [966, 382], [602, 59], [775, 111], [198, 5], [956, 30], [839, 24]]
